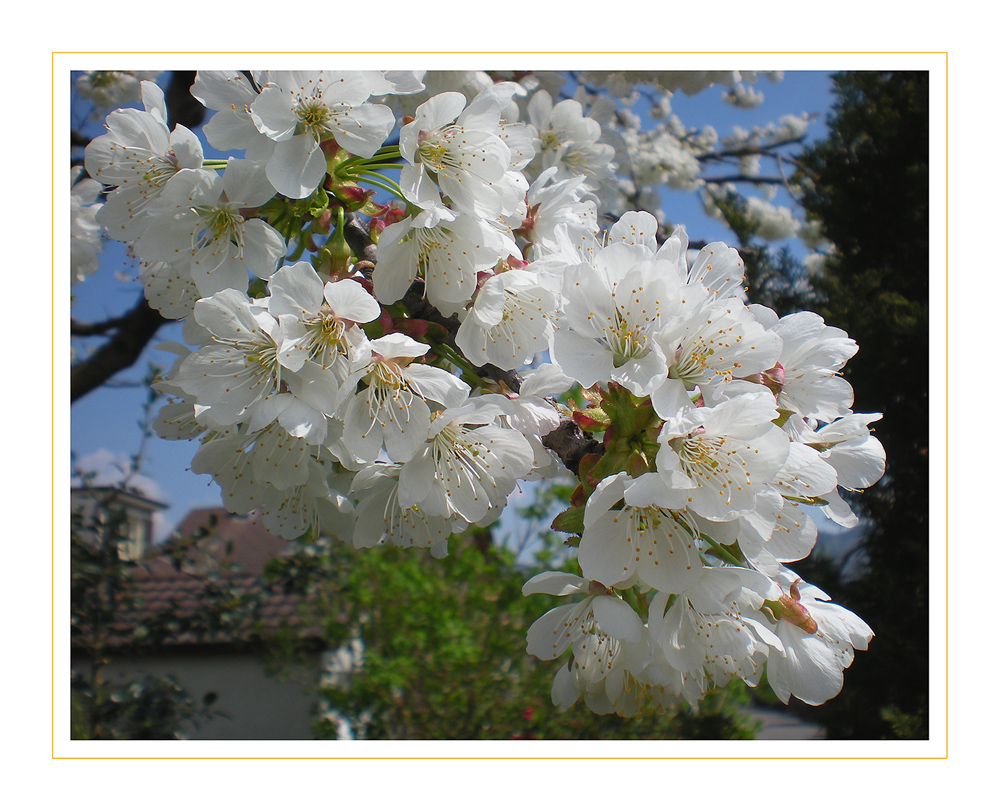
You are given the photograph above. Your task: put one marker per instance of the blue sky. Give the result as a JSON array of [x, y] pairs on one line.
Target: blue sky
[[104, 424]]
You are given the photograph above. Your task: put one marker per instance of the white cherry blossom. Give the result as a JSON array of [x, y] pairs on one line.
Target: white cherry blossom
[[392, 409], [320, 320], [716, 266], [812, 354], [300, 109], [720, 458], [509, 322], [169, 288], [706, 630], [238, 370], [641, 539], [85, 233], [139, 156], [714, 340], [597, 622], [468, 464], [457, 150], [619, 689], [778, 530], [613, 312], [199, 224], [848, 446], [230, 93], [312, 507], [857, 456], [381, 518], [110, 88], [569, 141], [553, 204], [608, 641], [818, 639], [447, 249]]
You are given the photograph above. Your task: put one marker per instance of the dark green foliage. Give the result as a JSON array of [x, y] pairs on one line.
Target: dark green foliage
[[145, 709], [870, 190]]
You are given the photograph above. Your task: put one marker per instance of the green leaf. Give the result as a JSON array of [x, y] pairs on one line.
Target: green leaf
[[570, 520]]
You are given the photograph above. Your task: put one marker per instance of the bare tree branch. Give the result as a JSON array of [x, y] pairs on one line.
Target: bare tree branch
[[359, 240], [134, 331], [765, 150], [83, 330], [571, 444], [184, 108], [763, 180]]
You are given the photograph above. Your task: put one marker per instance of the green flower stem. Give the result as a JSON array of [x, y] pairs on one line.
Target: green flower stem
[[384, 166], [449, 354], [637, 602], [391, 151], [390, 154], [215, 164], [340, 251], [375, 179], [300, 246], [721, 551], [341, 169]]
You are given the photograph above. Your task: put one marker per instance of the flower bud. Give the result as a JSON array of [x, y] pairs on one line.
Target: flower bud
[[416, 328], [788, 608], [773, 378]]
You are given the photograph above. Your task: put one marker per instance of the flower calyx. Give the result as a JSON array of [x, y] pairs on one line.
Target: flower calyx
[[788, 608], [773, 378], [630, 434], [592, 419]]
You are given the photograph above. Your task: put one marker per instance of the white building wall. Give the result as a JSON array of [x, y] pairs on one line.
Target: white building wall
[[259, 705]]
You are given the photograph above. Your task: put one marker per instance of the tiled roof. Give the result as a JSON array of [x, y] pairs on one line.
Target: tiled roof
[[215, 597], [229, 540]]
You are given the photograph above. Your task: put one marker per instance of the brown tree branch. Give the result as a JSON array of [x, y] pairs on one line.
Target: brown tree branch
[[571, 444], [764, 150], [359, 240], [133, 332], [761, 179], [82, 329]]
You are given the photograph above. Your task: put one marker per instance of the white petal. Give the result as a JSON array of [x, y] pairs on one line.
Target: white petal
[[245, 183], [273, 115], [296, 290], [606, 554], [364, 129], [297, 166], [350, 301], [558, 583], [617, 618]]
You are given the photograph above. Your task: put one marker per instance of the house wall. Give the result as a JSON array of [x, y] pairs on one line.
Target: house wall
[[259, 706]]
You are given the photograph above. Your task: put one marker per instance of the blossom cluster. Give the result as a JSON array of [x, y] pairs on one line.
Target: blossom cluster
[[106, 89], [720, 423], [401, 400], [85, 232]]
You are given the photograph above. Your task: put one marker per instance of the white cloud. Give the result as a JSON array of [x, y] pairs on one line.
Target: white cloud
[[104, 468]]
